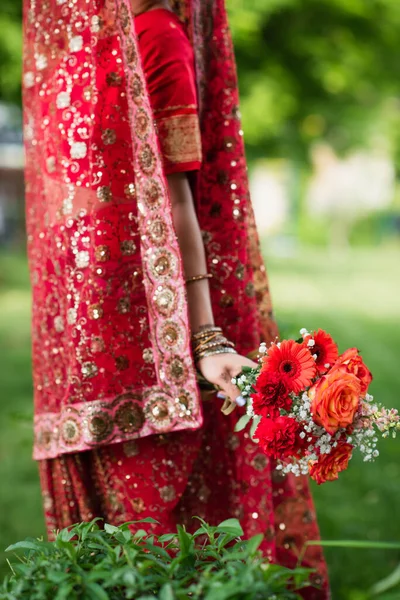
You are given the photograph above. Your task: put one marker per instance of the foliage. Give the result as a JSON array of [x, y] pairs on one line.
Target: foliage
[[10, 50], [362, 287], [309, 70], [89, 563], [317, 69]]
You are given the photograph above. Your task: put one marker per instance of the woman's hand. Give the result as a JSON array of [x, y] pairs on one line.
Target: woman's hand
[[219, 370]]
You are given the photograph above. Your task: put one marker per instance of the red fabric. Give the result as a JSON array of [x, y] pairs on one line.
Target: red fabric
[[212, 473], [111, 340], [168, 64]]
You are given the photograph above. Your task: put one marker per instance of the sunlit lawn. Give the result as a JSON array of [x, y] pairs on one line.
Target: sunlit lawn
[[356, 297]]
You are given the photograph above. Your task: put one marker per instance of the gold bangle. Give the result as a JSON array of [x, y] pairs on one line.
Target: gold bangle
[[215, 351], [206, 331], [201, 343], [198, 278]]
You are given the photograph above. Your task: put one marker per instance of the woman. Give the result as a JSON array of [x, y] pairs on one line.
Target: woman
[[136, 194]]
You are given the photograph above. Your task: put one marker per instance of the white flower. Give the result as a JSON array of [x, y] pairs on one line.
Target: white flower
[[76, 43], [60, 2], [78, 150], [63, 100], [303, 331], [29, 79], [315, 356], [41, 62], [311, 343], [82, 259], [302, 435]]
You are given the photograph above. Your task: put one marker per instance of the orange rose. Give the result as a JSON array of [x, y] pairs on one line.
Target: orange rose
[[328, 466], [335, 399], [352, 362]]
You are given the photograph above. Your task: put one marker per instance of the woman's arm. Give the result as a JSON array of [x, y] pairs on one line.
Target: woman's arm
[[220, 368]]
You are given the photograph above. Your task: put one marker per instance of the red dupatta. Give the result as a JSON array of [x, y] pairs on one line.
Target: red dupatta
[[111, 339]]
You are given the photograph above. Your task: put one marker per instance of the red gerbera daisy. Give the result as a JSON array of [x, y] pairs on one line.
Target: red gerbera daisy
[[292, 362], [325, 349]]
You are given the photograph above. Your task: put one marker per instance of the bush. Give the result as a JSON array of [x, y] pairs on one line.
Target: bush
[[87, 562]]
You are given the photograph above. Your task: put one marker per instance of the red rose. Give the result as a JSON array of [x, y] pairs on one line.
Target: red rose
[[279, 437], [328, 466], [272, 395], [351, 362]]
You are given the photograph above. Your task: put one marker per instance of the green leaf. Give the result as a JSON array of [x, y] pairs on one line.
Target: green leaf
[[256, 422], [26, 545], [66, 535], [242, 423], [167, 537], [147, 520], [96, 592], [166, 592], [230, 526], [355, 544], [388, 583], [254, 543], [111, 528], [185, 540]]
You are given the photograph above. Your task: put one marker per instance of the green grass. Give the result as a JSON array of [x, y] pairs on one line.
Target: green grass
[[355, 297]]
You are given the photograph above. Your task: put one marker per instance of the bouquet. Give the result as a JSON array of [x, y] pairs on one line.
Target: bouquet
[[311, 408]]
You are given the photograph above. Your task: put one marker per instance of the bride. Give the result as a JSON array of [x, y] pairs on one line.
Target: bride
[[149, 290]]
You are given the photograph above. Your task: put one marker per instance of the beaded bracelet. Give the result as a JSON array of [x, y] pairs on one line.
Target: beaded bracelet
[[210, 341]]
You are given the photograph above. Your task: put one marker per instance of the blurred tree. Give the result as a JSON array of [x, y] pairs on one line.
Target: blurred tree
[[317, 69], [10, 50], [309, 70]]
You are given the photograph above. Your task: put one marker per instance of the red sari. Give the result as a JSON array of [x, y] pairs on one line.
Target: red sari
[[120, 428]]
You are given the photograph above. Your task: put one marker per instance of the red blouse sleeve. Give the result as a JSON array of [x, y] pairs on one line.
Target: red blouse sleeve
[[168, 64]]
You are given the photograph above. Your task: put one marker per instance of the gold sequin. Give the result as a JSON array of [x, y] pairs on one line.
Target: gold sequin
[[136, 88], [148, 356], [127, 247], [157, 412], [157, 231], [142, 122], [102, 253], [113, 79], [147, 159], [124, 306], [165, 300], [104, 194], [100, 426], [170, 334], [95, 311], [122, 363], [138, 505], [109, 137], [168, 493], [153, 194], [176, 370], [129, 417], [70, 431], [250, 290]]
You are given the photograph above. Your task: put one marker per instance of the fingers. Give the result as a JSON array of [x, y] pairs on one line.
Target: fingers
[[233, 397]]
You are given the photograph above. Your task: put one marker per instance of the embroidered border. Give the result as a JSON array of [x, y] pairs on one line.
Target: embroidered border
[[87, 425]]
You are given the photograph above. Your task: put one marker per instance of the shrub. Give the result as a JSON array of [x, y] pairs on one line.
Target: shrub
[[87, 562]]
